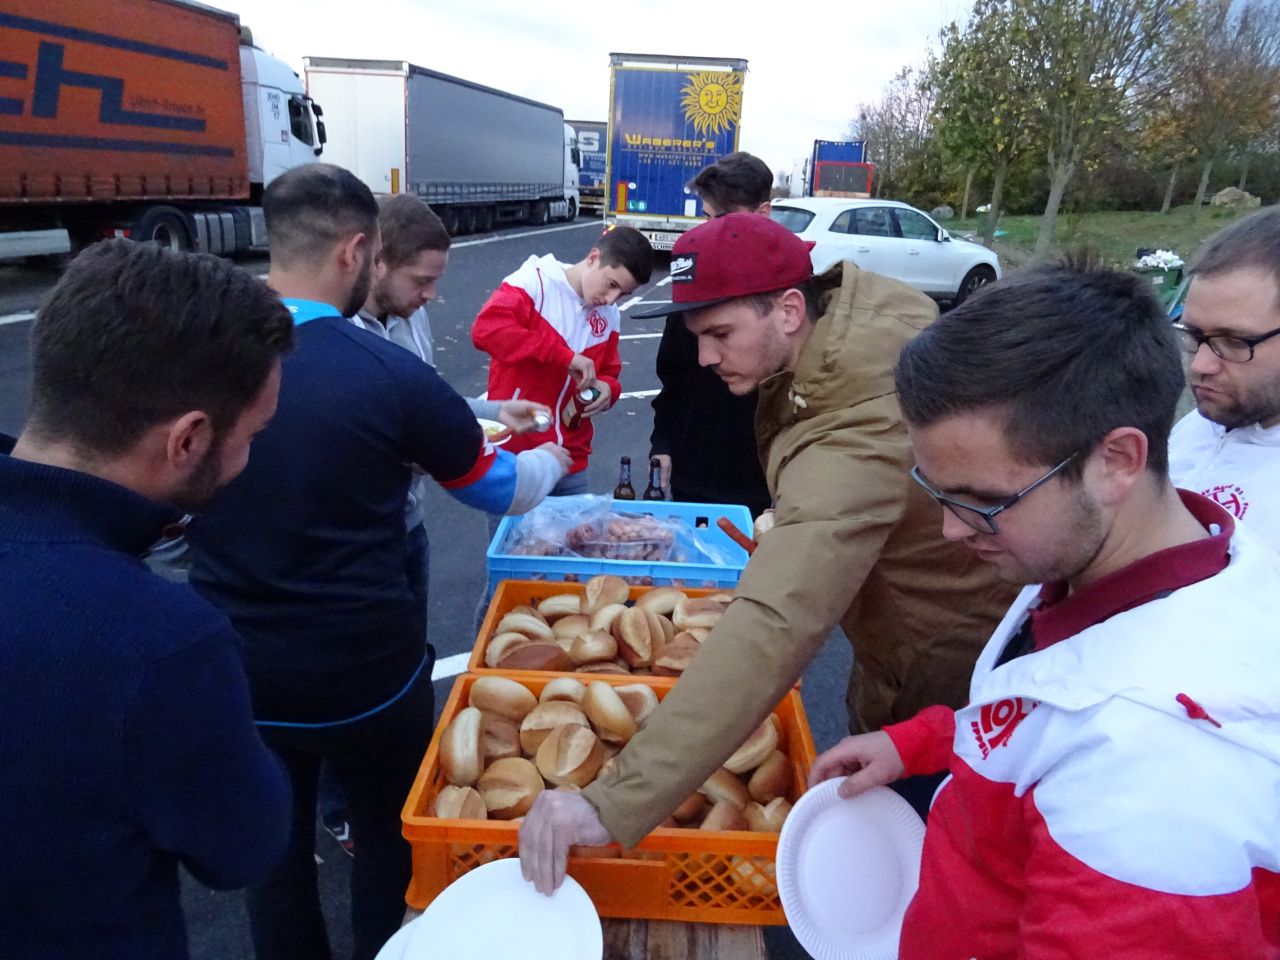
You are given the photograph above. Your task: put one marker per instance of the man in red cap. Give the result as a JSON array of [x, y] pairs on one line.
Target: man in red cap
[[855, 543]]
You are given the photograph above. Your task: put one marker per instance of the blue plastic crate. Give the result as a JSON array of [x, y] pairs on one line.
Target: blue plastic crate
[[505, 566]]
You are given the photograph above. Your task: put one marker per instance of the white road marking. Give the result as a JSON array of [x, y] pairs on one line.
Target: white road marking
[[450, 666], [630, 303], [17, 318], [638, 336], [639, 394], [664, 281], [516, 236]]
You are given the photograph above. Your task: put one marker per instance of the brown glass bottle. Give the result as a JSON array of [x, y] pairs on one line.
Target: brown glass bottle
[[654, 490], [624, 490]]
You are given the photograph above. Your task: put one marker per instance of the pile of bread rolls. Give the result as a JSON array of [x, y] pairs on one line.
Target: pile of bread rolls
[[507, 746], [596, 632]]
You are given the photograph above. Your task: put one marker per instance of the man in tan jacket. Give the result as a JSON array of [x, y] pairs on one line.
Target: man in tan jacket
[[855, 541]]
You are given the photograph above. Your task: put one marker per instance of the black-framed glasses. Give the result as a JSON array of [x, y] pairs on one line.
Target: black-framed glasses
[[1225, 346], [983, 519]]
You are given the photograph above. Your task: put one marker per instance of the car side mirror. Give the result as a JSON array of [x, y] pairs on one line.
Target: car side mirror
[[943, 236]]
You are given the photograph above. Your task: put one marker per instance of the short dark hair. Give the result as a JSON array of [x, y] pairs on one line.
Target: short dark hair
[[312, 207], [629, 248], [1064, 353], [134, 335], [1251, 241], [737, 181], [409, 227]]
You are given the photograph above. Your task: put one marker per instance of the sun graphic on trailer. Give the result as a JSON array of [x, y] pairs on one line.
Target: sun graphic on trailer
[[712, 101]]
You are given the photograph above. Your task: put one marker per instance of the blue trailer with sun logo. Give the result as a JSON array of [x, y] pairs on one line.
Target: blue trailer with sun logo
[[668, 118]]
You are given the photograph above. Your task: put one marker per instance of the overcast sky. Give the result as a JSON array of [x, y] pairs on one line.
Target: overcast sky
[[810, 65]]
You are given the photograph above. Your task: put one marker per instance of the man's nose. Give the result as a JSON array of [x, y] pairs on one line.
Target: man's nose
[[708, 356], [1205, 361]]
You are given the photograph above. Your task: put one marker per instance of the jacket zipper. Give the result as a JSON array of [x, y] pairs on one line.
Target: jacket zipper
[[559, 408]]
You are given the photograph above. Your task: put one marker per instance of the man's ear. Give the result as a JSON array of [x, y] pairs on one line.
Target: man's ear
[[352, 251], [794, 315], [593, 258], [1119, 463], [187, 440], [765, 208]]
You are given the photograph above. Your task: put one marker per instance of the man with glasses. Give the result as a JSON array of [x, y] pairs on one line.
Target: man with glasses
[[1114, 776], [1228, 448], [856, 543]]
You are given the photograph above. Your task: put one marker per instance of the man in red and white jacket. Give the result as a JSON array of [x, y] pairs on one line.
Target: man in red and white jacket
[[551, 330], [1228, 448], [1115, 777]]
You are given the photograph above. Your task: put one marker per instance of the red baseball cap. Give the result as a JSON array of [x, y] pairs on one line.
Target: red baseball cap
[[737, 255]]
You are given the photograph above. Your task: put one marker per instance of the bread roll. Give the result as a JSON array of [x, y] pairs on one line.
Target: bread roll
[[634, 636], [525, 610], [508, 787], [768, 818], [561, 605], [544, 718], [691, 810], [612, 667], [571, 754], [763, 524], [658, 634], [503, 697], [574, 625], [753, 877], [500, 645], [724, 597], [459, 803], [461, 756], [603, 590], [762, 742], [603, 618], [530, 624], [640, 701], [772, 779], [499, 738], [725, 815], [725, 786], [608, 714], [593, 647], [669, 630], [698, 633], [660, 600], [697, 612], [563, 688], [535, 655], [676, 656]]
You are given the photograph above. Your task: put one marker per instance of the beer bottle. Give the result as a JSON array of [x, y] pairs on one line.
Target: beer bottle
[[624, 490], [654, 490]]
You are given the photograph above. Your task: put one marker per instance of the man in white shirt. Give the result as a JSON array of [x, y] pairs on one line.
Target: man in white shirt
[[1228, 448]]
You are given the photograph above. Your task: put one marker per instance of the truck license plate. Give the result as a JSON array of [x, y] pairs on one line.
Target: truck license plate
[[663, 241]]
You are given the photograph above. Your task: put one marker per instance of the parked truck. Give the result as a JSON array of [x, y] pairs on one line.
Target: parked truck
[[593, 147], [152, 119], [668, 118], [839, 168], [479, 156]]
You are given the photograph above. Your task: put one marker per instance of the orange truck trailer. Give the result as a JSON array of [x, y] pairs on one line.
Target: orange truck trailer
[[152, 119]]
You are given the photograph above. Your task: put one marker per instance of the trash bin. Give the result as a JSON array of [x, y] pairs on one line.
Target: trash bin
[[1165, 281]]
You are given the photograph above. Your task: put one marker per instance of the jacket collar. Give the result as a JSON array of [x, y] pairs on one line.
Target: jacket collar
[[44, 504]]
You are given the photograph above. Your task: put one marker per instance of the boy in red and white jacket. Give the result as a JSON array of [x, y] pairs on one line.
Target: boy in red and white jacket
[[1114, 779], [551, 330]]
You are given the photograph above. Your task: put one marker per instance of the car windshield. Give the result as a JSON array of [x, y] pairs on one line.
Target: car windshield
[[793, 218]]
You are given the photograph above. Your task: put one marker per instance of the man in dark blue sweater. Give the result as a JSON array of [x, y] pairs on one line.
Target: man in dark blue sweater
[[306, 554], [129, 746]]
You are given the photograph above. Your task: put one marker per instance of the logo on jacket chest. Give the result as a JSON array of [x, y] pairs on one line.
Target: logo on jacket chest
[[1230, 497], [597, 323], [997, 721]]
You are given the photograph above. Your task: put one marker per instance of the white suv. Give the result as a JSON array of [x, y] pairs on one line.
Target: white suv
[[891, 239]]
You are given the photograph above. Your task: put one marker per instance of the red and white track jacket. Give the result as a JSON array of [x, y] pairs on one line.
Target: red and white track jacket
[[1116, 794], [531, 327]]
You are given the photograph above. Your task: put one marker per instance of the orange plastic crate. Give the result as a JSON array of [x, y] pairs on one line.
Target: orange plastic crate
[[514, 593], [699, 876]]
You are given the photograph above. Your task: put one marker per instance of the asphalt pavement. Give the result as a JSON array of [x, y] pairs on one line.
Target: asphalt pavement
[[217, 925]]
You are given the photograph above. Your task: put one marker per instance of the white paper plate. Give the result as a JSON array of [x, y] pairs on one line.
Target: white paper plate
[[490, 425], [847, 870], [394, 948], [493, 913]]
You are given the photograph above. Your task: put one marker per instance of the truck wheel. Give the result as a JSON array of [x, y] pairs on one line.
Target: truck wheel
[[973, 281], [486, 219], [541, 214], [450, 217], [573, 210], [165, 226]]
